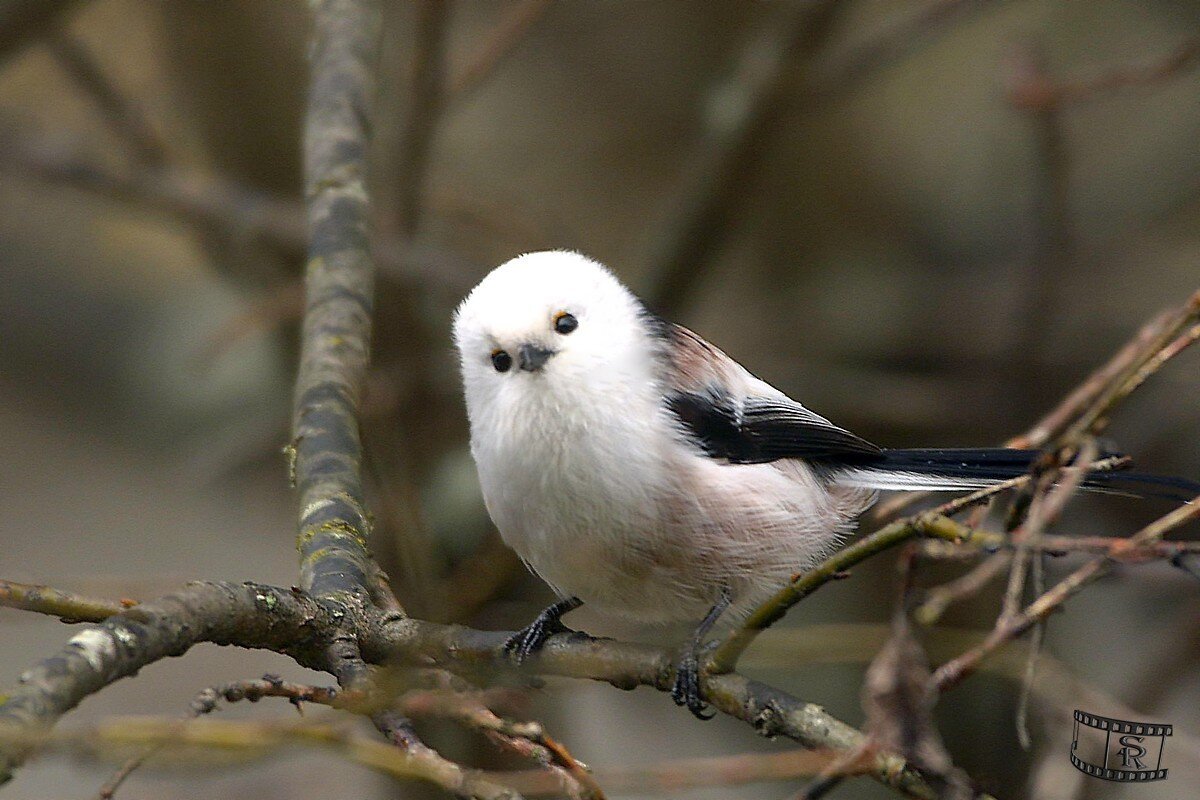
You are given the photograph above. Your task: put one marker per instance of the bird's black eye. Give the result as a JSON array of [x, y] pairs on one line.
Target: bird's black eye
[[502, 361], [564, 323]]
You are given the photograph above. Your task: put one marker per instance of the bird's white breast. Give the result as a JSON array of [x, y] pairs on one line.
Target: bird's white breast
[[567, 480]]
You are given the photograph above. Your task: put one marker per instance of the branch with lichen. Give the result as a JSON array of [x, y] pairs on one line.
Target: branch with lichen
[[296, 624], [299, 625], [326, 453], [345, 621]]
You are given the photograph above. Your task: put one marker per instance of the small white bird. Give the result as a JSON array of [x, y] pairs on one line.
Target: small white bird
[[637, 468]]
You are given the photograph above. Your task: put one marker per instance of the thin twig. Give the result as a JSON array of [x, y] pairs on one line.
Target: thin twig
[[1049, 499], [1159, 340], [952, 672], [1047, 505], [899, 40], [933, 524], [938, 599], [66, 606], [527, 739], [264, 738], [205, 702], [1180, 329]]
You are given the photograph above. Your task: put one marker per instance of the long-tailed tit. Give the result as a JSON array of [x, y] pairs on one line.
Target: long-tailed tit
[[637, 468]]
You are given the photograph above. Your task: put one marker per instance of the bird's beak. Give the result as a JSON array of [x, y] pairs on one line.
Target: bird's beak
[[532, 358]]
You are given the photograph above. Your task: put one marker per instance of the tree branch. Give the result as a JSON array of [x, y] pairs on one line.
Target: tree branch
[[121, 114], [326, 450], [1039, 92], [950, 674], [293, 623], [933, 524], [232, 209], [500, 43], [712, 174], [57, 603], [422, 111], [25, 21], [245, 615]]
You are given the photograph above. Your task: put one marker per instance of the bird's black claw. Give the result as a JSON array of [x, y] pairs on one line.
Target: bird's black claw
[[532, 638], [686, 691]]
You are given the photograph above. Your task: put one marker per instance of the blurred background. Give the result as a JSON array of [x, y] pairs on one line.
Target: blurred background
[[926, 220]]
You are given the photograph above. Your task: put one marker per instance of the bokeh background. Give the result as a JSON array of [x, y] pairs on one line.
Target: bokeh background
[[926, 220]]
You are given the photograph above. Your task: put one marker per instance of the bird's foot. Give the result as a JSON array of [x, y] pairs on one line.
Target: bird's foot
[[532, 638], [686, 691]]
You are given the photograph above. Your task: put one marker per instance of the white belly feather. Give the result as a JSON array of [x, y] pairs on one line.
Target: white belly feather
[[650, 533]]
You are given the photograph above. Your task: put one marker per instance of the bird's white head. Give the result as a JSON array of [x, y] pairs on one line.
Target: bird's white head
[[551, 329]]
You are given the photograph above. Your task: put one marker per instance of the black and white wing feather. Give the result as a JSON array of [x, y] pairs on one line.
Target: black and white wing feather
[[733, 415], [730, 414], [757, 430]]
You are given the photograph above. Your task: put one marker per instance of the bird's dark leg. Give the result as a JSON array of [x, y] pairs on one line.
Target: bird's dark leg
[[531, 638], [686, 691]]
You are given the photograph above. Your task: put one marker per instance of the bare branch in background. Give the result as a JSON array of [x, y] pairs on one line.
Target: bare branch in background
[[235, 210], [684, 240], [119, 111], [938, 599], [713, 174], [501, 41], [952, 672], [899, 40], [422, 111], [206, 702], [23, 22], [1051, 243], [1038, 91]]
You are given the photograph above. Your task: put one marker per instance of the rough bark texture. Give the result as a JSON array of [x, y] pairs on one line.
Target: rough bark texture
[[334, 525], [247, 615], [342, 619]]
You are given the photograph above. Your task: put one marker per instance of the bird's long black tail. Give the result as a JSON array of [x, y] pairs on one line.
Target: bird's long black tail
[[951, 469]]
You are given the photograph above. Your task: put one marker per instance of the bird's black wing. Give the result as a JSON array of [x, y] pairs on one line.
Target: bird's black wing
[[757, 430]]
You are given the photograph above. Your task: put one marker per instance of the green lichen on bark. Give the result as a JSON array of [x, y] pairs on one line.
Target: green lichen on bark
[[334, 528]]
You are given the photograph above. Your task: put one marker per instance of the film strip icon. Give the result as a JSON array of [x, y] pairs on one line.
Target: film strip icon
[[1117, 749]]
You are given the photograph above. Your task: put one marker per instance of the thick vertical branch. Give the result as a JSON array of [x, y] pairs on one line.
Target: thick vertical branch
[[326, 450]]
